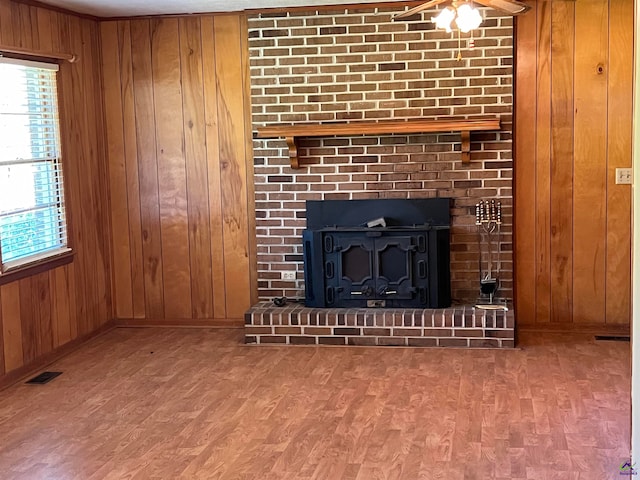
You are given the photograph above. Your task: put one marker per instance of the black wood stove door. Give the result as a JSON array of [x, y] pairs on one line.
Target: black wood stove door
[[393, 262], [353, 258], [363, 267]]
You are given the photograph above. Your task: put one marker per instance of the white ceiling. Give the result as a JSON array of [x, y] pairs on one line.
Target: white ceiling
[[130, 8]]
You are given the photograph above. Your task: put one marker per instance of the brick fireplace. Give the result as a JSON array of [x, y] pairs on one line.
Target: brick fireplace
[[355, 65]]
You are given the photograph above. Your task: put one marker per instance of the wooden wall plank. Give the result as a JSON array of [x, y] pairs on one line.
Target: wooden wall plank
[[61, 307], [68, 84], [29, 321], [619, 143], [172, 183], [43, 308], [22, 20], [590, 161], [524, 165], [562, 27], [196, 169], [542, 162], [55, 19], [123, 292], [209, 54], [30, 18], [143, 85], [79, 147], [102, 301], [11, 326], [97, 244], [131, 160], [64, 36], [36, 316], [69, 278], [248, 138], [233, 163], [55, 320], [6, 23], [44, 26]]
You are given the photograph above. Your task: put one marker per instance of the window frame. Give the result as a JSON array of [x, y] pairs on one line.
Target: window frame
[[14, 270]]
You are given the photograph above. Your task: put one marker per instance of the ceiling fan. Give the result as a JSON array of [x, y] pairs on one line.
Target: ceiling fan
[[510, 7]]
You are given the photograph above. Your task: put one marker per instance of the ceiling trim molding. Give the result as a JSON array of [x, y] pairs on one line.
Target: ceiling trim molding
[[169, 15], [275, 10], [36, 3], [252, 11], [345, 6]]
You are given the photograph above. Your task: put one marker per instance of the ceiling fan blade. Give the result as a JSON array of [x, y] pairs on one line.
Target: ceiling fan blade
[[510, 7], [418, 9]]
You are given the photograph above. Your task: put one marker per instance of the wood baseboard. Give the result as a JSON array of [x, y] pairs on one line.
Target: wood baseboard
[[586, 328], [180, 322], [29, 369]]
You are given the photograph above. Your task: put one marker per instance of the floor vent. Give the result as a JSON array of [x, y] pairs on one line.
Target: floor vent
[[43, 378], [614, 338]]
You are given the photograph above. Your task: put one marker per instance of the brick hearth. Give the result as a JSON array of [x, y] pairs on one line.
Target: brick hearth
[[459, 326]]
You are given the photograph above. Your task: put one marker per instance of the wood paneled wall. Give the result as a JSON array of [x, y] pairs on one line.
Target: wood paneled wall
[[180, 162], [42, 313], [573, 129]]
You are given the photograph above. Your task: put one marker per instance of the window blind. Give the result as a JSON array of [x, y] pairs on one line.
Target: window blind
[[32, 214]]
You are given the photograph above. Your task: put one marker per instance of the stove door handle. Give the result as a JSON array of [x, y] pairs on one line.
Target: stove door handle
[[422, 269], [384, 290]]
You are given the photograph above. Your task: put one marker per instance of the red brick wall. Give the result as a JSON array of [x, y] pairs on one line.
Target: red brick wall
[[339, 65]]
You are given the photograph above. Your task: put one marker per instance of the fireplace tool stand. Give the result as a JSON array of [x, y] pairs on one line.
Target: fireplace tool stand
[[488, 225]]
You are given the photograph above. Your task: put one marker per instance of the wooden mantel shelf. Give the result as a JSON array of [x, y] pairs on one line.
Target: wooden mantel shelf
[[293, 132]]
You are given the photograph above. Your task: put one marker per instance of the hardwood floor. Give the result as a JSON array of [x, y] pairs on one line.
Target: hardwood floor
[[196, 403]]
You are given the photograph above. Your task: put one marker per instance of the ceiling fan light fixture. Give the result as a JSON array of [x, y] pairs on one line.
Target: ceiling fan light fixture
[[468, 18], [445, 18]]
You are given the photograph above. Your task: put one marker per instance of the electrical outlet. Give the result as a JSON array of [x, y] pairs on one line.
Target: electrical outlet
[[288, 275], [624, 176]]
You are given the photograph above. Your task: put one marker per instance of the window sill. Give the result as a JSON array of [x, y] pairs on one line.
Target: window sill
[[35, 268]]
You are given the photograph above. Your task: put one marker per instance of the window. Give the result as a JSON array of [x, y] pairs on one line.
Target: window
[[32, 215]]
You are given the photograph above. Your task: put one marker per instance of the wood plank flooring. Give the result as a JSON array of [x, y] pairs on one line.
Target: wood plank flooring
[[159, 403]]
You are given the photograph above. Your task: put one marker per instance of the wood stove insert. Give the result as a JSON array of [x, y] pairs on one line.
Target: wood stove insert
[[377, 253]]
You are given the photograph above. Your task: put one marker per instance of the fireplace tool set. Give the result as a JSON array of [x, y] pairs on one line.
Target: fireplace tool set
[[488, 225]]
